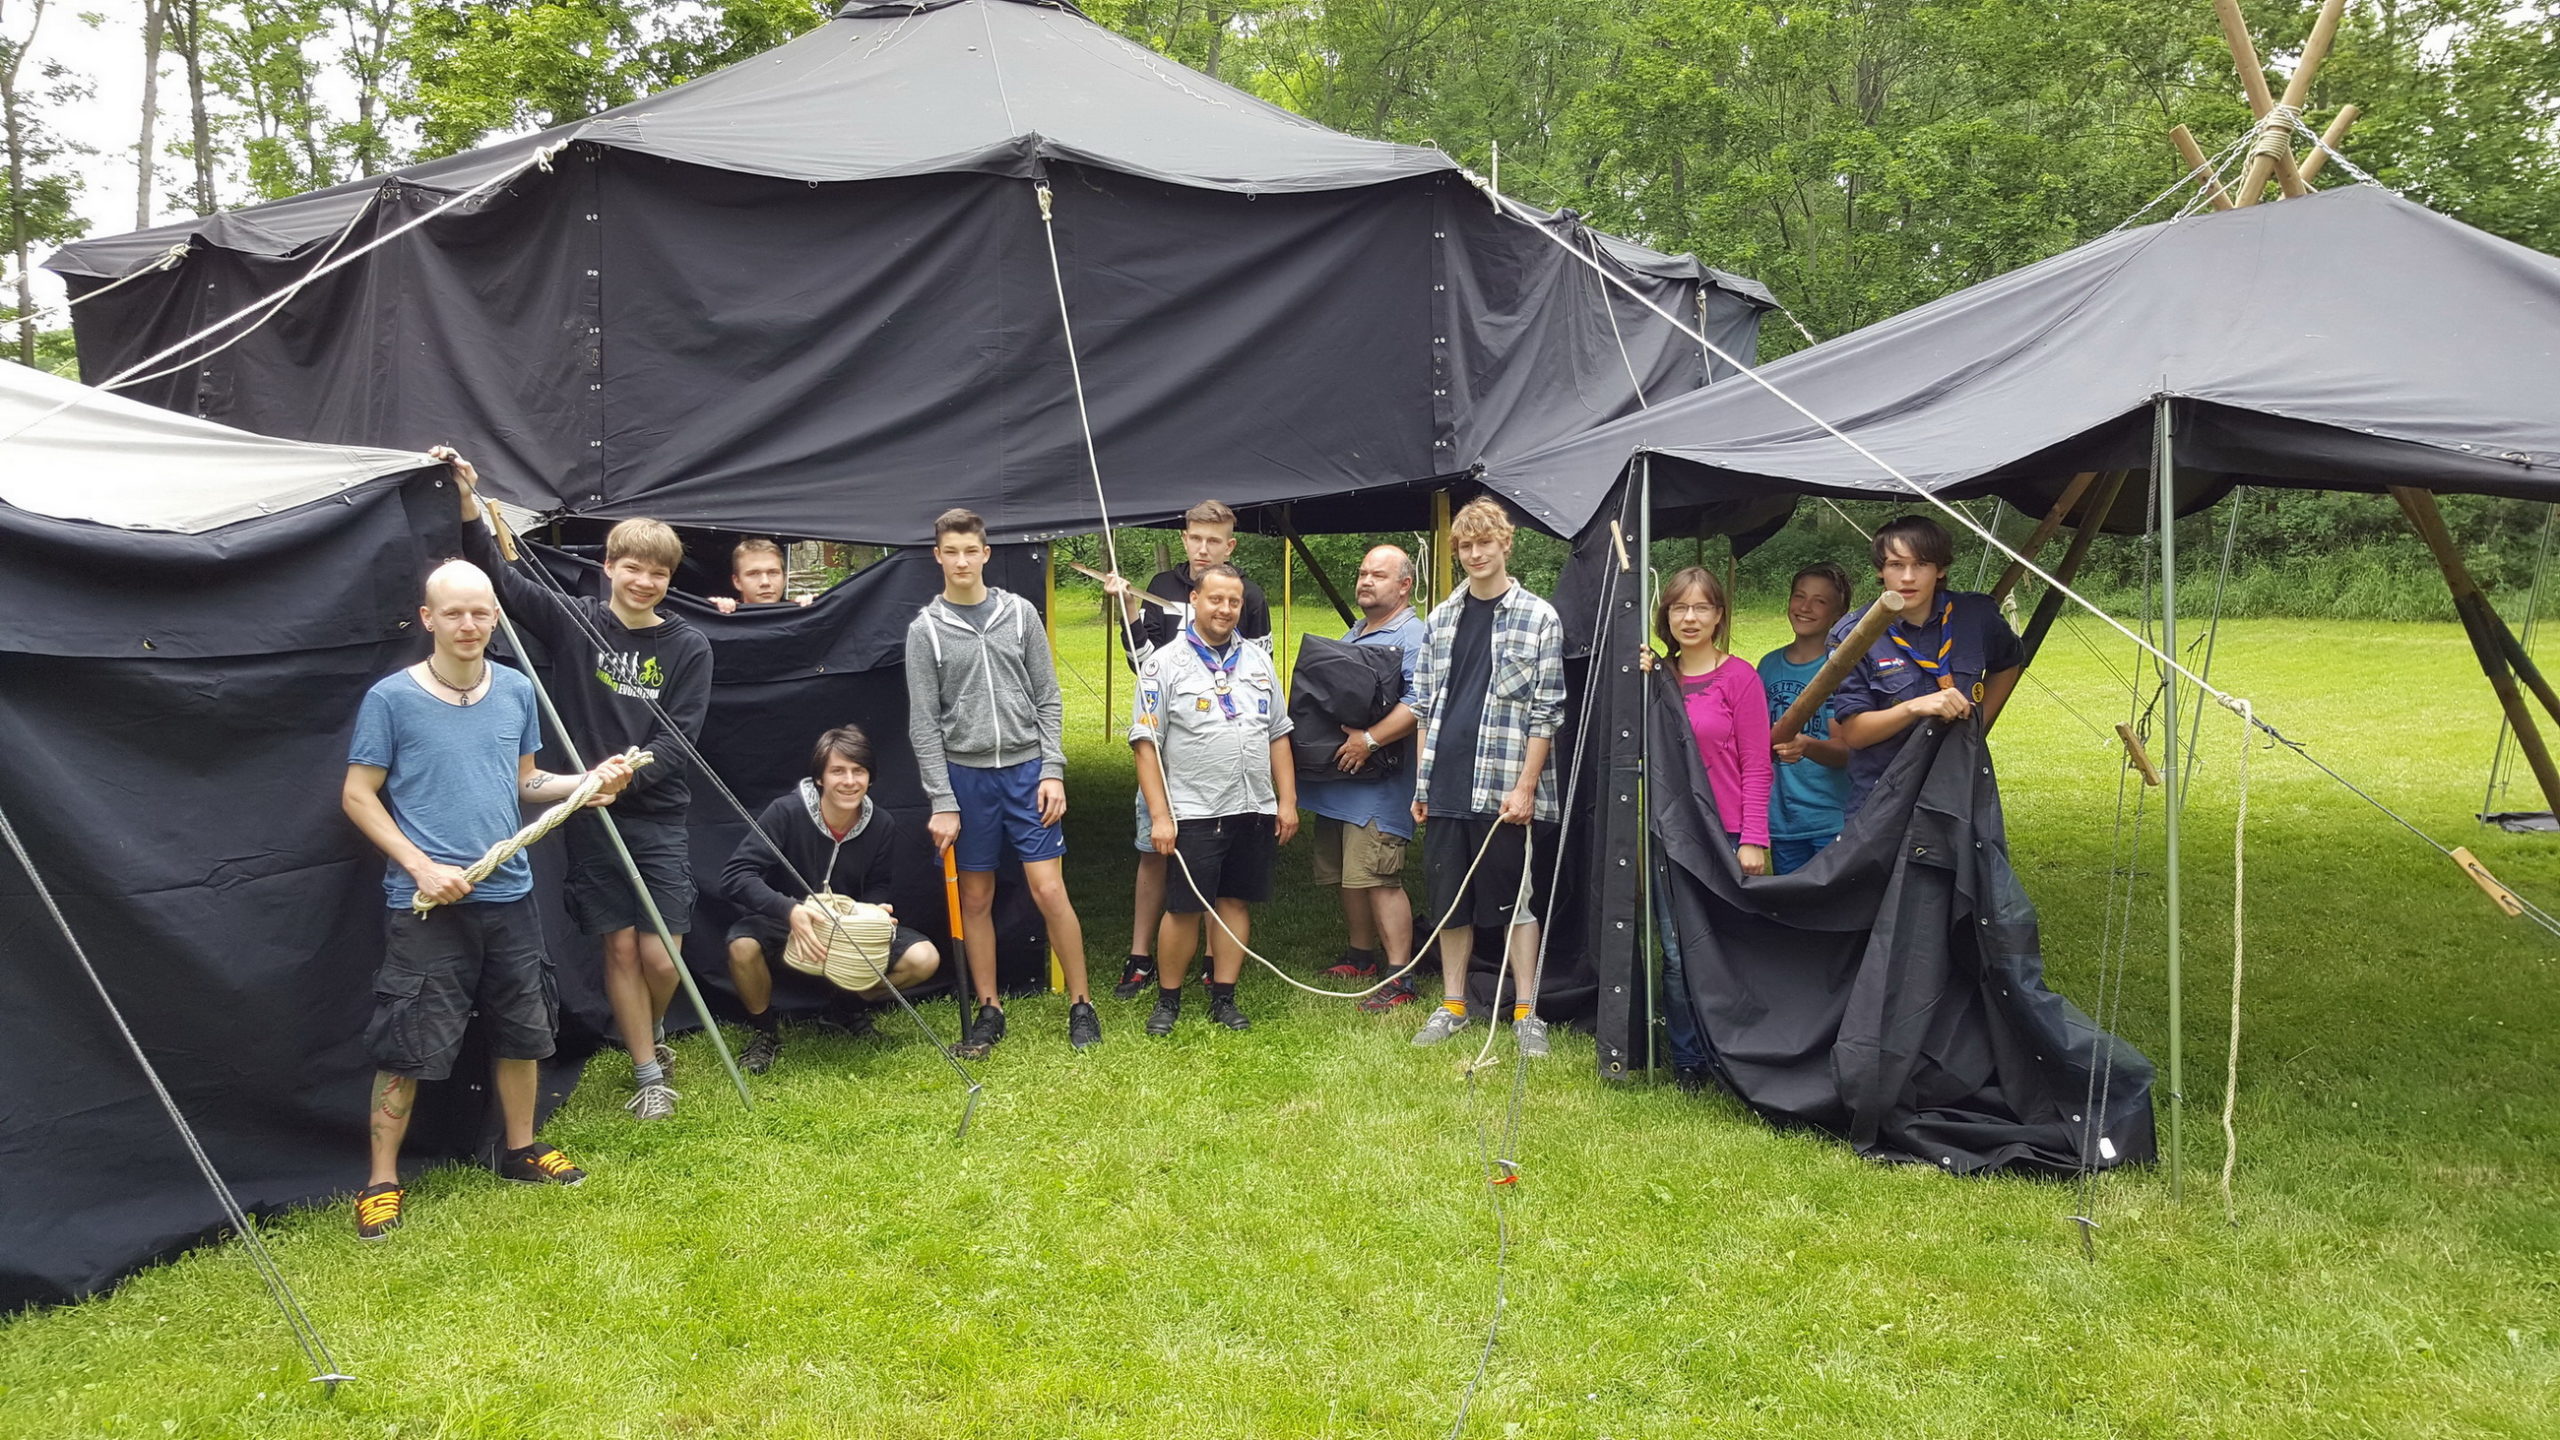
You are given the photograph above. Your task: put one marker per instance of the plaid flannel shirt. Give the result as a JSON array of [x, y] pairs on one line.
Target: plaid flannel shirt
[[1524, 702]]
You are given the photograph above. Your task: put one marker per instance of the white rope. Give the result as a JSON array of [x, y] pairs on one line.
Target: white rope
[[2273, 137], [2239, 933], [1210, 908], [541, 825], [1610, 309], [169, 257], [2211, 167], [274, 306], [1512, 208], [541, 158]]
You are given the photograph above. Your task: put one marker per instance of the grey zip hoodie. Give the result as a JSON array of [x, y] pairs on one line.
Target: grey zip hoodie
[[985, 701]]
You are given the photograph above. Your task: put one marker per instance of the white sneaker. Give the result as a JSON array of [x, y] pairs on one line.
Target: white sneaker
[[651, 1102], [1531, 1033], [1443, 1023]]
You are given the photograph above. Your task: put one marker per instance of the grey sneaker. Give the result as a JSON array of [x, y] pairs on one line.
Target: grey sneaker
[[1531, 1033], [665, 1056], [651, 1102], [1442, 1024]]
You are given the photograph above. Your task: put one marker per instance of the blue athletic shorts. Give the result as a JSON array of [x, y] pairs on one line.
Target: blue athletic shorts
[[1000, 809]]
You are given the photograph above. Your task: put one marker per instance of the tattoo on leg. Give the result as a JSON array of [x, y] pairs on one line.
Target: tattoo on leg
[[393, 1095]]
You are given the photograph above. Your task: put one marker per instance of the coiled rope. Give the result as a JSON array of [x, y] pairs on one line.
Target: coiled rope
[[543, 824]]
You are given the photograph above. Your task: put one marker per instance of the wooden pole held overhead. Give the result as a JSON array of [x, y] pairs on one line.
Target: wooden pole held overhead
[[1324, 582], [2483, 626], [1870, 627], [2043, 534], [2193, 154]]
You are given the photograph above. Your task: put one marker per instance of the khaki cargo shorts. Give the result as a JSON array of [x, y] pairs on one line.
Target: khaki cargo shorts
[[1360, 857]]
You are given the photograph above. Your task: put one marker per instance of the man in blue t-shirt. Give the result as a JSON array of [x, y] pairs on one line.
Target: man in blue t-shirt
[[1809, 790], [1949, 656], [441, 763], [1365, 823]]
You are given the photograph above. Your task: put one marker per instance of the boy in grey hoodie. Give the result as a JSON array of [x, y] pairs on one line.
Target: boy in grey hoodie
[[987, 723]]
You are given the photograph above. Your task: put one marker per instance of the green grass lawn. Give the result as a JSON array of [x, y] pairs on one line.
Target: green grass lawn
[[1284, 1233]]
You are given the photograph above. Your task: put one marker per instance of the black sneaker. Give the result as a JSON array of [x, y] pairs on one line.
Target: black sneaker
[[1140, 978], [1168, 1012], [1223, 1010], [1692, 1079], [982, 1035], [1084, 1028], [855, 1019], [763, 1048], [540, 1164], [378, 1210]]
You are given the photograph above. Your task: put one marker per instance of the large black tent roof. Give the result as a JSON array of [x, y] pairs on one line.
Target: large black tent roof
[[811, 293], [2345, 340]]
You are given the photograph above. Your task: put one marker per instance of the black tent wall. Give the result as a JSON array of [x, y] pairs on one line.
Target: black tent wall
[[624, 335]]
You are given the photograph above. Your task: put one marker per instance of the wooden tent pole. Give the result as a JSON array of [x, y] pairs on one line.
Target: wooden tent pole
[[2193, 154], [2043, 534], [2244, 53], [2483, 626], [2092, 520], [1439, 546], [2264, 163], [1324, 582], [1836, 668], [2330, 139]]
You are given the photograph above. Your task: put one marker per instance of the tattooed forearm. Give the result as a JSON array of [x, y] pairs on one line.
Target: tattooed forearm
[[538, 780]]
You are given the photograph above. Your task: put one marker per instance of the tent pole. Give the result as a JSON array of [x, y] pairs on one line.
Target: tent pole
[[2094, 519], [1649, 929], [1049, 622], [2043, 534], [2489, 637], [2172, 790], [1288, 592], [630, 867], [1439, 546]]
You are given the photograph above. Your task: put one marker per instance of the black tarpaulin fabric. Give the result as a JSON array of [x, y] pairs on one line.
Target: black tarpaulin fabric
[[176, 710], [2345, 340], [1892, 991], [673, 317]]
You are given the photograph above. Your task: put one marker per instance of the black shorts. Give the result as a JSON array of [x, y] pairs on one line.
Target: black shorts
[[600, 896], [474, 955], [1449, 845], [1229, 858]]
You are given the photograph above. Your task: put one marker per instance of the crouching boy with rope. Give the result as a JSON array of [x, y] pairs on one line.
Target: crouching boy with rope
[[442, 757], [823, 837], [1211, 732]]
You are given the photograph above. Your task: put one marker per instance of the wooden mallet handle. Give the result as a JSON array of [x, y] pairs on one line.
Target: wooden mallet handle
[[1886, 610]]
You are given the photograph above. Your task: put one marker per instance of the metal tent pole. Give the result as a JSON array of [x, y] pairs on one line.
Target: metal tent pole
[[2164, 476], [1652, 939]]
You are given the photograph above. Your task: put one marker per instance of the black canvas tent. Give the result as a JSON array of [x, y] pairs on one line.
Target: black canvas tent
[[2344, 340], [812, 294]]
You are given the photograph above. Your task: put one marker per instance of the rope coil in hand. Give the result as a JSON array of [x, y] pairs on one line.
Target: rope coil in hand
[[541, 825]]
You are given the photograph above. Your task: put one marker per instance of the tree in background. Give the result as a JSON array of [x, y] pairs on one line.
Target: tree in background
[[38, 199]]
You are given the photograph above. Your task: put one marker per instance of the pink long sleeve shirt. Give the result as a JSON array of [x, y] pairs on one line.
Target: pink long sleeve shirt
[[1729, 716]]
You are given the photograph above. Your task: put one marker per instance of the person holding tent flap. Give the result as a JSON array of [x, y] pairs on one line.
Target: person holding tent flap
[[1950, 655], [441, 760], [628, 674]]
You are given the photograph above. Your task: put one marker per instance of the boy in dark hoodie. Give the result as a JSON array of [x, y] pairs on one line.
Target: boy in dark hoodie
[[830, 837], [626, 673], [989, 730]]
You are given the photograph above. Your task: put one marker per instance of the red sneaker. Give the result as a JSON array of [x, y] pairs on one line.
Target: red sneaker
[[1381, 1001]]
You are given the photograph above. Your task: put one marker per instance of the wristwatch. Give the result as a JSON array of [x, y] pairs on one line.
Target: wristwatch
[[1369, 740]]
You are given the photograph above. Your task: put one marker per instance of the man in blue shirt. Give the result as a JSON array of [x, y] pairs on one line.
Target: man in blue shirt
[[1363, 824], [1950, 655], [441, 762]]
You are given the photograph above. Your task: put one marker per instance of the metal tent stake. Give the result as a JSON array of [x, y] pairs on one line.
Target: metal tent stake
[[2172, 788]]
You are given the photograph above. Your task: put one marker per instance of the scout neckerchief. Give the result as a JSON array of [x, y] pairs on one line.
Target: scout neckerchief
[[1221, 673], [1936, 668]]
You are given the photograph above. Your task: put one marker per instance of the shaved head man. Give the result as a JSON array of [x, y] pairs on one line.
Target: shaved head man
[[441, 763]]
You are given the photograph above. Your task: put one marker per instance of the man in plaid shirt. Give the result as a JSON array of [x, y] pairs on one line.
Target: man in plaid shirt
[[1490, 696]]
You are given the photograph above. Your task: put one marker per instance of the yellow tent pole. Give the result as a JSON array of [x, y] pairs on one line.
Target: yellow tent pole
[[1439, 546], [1049, 617]]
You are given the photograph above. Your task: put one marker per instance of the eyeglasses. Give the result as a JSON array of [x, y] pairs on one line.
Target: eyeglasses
[[1695, 612]]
